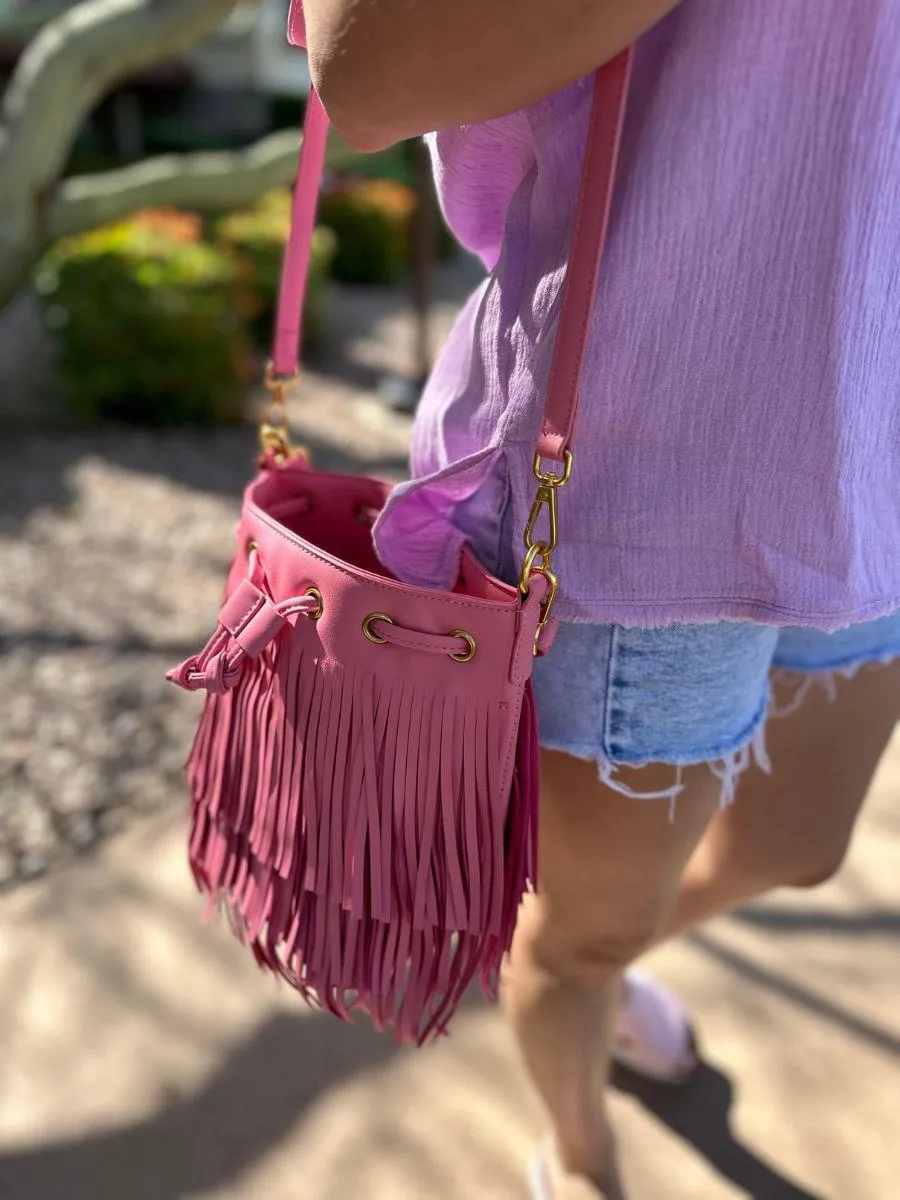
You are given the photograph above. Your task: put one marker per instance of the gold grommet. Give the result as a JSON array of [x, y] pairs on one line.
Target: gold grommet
[[251, 547], [317, 595], [464, 656], [370, 632]]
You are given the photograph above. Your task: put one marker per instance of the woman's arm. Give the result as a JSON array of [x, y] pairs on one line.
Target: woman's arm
[[391, 69]]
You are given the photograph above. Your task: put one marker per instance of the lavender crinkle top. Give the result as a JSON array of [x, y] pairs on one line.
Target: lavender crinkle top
[[737, 452]]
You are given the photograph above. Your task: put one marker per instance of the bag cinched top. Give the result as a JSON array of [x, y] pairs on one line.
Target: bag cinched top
[[364, 777]]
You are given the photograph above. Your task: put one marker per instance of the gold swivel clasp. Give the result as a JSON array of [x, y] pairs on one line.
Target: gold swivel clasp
[[539, 550]]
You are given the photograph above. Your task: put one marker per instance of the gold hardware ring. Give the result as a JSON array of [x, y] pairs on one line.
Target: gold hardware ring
[[316, 595], [273, 381], [274, 437], [464, 656], [551, 478], [531, 566], [370, 632]]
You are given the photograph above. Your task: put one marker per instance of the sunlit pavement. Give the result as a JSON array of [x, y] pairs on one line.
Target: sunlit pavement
[[143, 1056]]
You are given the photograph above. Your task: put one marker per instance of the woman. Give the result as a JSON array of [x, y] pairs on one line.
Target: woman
[[731, 535]]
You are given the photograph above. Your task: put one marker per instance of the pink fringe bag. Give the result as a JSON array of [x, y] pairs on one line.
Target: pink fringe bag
[[365, 772]]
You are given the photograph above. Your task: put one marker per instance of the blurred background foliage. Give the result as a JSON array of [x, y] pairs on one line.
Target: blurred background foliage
[[162, 315], [164, 318]]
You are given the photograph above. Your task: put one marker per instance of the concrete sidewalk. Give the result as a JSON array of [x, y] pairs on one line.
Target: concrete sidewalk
[[142, 1057]]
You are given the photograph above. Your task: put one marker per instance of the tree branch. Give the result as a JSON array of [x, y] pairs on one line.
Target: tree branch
[[73, 62], [206, 181]]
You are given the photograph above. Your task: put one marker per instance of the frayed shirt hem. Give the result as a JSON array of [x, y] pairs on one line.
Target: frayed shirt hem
[[654, 614]]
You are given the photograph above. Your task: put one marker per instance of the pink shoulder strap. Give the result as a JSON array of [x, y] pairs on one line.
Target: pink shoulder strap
[[295, 268], [604, 135], [591, 221]]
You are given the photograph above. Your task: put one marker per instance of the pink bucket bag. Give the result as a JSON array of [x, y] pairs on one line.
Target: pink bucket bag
[[365, 772]]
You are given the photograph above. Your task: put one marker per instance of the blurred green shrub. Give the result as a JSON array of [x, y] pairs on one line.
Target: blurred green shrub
[[396, 164], [372, 221], [257, 236], [151, 322]]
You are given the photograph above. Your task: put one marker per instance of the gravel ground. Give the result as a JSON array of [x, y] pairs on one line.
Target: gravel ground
[[114, 546]]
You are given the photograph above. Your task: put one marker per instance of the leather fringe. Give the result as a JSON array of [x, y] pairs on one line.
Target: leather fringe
[[354, 833]]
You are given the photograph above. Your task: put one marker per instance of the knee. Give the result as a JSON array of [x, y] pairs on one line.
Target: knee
[[818, 869], [592, 958], [792, 866]]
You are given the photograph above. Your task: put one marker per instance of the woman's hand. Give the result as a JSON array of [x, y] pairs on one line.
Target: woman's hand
[[392, 69]]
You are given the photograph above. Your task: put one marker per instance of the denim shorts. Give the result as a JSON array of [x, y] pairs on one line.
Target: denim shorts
[[685, 694], [676, 694]]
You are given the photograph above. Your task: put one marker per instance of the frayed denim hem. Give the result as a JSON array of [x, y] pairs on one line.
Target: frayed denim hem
[[797, 672], [728, 768], [751, 750], [803, 679]]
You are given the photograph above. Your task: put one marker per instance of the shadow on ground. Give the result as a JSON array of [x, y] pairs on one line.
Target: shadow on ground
[[700, 1114], [209, 1139], [869, 922], [813, 1001], [252, 1104], [34, 470], [206, 1140]]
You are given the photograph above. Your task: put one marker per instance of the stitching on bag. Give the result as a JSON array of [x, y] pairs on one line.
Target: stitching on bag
[[398, 638], [298, 543], [574, 386], [512, 739]]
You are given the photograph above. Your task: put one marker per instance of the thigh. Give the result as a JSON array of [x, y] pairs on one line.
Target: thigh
[[630, 720], [609, 864], [793, 825]]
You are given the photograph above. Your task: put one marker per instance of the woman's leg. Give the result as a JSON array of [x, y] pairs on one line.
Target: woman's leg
[[610, 867], [617, 875], [792, 828]]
